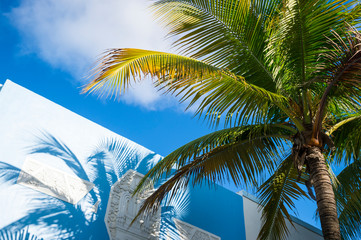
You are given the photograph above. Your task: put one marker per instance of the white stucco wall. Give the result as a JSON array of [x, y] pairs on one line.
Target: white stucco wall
[[252, 215], [24, 115]]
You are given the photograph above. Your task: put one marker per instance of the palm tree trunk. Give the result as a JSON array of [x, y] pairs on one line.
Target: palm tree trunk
[[324, 194]]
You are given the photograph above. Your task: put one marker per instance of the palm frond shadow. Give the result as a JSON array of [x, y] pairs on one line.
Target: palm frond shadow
[[49, 144], [19, 235], [9, 173], [108, 161], [72, 221], [174, 207]]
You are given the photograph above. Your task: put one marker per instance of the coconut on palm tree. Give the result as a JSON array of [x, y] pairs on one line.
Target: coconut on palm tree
[[284, 77]]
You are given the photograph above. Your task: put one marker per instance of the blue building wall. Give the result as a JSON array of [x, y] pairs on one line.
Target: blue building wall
[[217, 210]]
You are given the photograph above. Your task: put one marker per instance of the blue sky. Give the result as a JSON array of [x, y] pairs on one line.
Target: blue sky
[[49, 46]]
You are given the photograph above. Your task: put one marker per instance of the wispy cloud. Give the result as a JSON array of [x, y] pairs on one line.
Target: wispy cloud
[[71, 35]]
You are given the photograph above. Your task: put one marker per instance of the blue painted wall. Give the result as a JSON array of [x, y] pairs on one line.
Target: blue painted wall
[[218, 211]]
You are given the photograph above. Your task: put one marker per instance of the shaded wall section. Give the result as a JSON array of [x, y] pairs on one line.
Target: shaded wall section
[[252, 218]]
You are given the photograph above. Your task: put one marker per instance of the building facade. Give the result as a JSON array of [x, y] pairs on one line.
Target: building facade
[[65, 177]]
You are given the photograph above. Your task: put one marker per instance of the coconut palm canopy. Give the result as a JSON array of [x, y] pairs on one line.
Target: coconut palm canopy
[[284, 77]]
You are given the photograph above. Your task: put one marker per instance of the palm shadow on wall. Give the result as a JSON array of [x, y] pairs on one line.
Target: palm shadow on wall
[[110, 159], [23, 234]]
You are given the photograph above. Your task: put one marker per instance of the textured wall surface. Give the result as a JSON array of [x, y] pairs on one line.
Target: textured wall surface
[[123, 208]]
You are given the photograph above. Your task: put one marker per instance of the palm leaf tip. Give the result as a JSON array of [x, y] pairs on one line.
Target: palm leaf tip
[[277, 194], [117, 67], [348, 196], [342, 63], [103, 75]]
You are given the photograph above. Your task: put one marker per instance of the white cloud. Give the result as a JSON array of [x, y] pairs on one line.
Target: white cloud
[[146, 95], [71, 34]]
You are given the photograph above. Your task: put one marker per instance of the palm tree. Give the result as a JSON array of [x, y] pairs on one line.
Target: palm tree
[[284, 76]]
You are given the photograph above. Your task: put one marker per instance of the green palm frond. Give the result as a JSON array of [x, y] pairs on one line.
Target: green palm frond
[[348, 195], [296, 41], [342, 122], [341, 68], [276, 195], [346, 135], [228, 34], [225, 141], [237, 154], [341, 63], [218, 91], [298, 37]]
